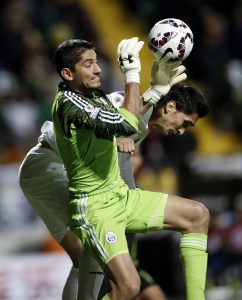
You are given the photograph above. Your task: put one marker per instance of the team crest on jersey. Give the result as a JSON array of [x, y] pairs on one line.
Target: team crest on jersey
[[117, 99], [111, 237]]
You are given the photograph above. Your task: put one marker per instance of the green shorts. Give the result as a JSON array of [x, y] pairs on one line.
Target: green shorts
[[102, 219]]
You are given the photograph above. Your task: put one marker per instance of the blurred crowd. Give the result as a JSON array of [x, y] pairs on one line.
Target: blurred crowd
[[29, 33], [31, 30]]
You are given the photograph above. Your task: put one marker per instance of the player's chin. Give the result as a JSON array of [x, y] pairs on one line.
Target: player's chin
[[95, 85]]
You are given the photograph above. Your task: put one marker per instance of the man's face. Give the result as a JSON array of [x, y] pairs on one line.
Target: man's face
[[168, 121], [85, 77]]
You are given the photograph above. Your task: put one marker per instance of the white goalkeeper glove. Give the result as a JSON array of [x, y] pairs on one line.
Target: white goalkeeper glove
[[163, 77], [128, 59]]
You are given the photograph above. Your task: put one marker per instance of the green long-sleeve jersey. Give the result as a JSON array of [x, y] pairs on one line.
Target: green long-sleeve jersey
[[85, 129]]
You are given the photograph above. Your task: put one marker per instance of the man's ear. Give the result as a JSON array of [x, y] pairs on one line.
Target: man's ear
[[67, 74], [170, 106]]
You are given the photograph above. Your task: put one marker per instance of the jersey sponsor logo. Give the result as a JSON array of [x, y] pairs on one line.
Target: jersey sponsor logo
[[111, 237]]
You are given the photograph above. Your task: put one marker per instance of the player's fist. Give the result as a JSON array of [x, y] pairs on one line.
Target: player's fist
[[125, 145], [128, 59]]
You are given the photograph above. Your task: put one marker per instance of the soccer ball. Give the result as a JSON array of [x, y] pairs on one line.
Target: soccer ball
[[170, 40]]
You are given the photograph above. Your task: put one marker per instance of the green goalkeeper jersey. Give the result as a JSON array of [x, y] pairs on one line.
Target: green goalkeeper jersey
[[85, 130]]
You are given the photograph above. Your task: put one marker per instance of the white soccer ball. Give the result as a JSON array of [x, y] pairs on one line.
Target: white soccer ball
[[170, 40]]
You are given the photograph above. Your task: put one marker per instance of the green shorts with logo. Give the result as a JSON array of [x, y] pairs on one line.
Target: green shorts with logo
[[101, 219]]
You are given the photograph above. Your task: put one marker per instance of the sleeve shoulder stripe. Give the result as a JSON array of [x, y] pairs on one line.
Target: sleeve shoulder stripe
[[110, 115], [79, 99], [111, 121], [76, 100], [115, 119], [105, 116]]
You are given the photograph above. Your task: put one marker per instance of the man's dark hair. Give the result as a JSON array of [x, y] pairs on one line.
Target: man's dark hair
[[68, 53], [188, 100]]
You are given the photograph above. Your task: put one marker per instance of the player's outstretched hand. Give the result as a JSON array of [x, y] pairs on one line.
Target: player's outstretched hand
[[163, 77], [128, 59]]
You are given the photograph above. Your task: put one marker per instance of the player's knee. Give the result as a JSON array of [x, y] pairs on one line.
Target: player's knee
[[128, 288], [202, 216], [131, 288]]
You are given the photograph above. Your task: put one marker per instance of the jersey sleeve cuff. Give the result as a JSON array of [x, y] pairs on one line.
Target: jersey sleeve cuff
[[129, 117]]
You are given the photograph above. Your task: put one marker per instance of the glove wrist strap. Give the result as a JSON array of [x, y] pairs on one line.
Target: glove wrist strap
[[152, 95], [132, 77]]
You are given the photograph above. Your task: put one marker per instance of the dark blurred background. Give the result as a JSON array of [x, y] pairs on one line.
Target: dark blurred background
[[205, 164]]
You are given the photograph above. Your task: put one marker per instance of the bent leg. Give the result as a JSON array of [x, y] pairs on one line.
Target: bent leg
[[124, 279], [192, 219], [156, 211], [185, 215]]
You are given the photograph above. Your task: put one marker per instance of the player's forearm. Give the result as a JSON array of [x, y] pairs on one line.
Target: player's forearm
[[132, 99]]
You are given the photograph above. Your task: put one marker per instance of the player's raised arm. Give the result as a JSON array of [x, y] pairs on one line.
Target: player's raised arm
[[104, 120]]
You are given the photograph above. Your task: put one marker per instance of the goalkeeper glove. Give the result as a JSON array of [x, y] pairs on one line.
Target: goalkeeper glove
[[163, 77], [128, 59]]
